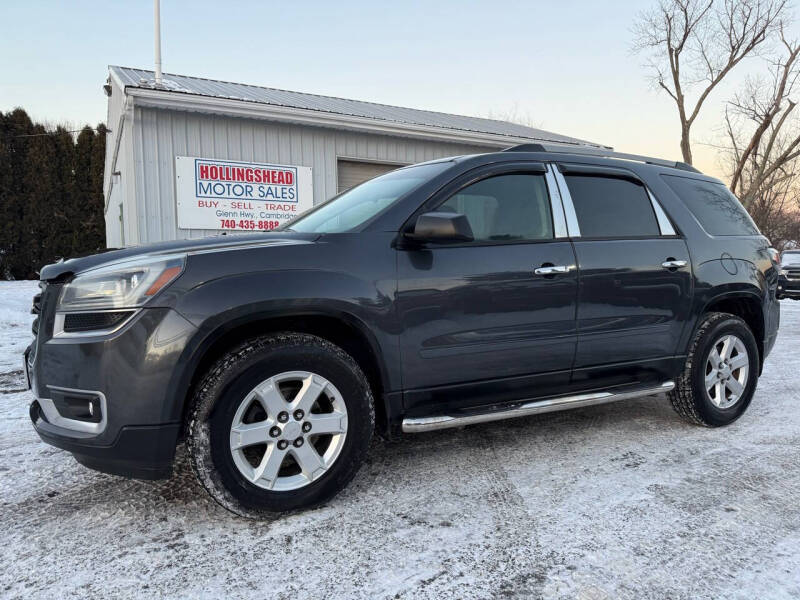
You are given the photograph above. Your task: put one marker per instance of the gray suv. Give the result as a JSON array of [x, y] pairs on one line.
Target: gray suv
[[444, 294]]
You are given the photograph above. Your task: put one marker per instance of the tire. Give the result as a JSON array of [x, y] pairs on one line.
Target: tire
[[246, 387], [719, 405]]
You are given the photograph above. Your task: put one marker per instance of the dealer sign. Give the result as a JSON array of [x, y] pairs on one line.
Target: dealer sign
[[224, 194]]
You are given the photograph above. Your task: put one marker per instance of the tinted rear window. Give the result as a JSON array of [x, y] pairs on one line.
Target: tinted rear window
[[611, 207], [713, 205]]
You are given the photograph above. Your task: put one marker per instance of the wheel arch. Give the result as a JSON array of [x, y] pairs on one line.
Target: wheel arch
[[343, 329], [746, 305]]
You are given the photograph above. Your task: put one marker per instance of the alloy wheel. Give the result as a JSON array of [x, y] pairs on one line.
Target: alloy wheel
[[288, 431], [726, 372]]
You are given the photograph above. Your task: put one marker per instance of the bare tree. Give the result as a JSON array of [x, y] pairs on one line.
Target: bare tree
[[762, 128], [693, 45], [762, 153], [776, 211], [515, 115]]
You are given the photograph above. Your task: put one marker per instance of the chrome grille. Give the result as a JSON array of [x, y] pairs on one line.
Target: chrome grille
[[793, 274]]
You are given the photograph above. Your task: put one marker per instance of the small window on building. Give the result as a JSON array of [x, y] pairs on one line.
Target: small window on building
[[505, 208], [610, 207], [713, 205], [350, 173]]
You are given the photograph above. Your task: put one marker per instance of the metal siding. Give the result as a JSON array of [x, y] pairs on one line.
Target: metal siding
[[116, 106], [160, 135], [166, 152], [139, 179], [126, 163], [113, 238]]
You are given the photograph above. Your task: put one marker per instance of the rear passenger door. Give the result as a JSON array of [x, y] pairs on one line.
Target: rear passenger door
[[634, 290]]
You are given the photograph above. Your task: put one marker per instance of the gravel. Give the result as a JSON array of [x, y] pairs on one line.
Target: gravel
[[616, 501]]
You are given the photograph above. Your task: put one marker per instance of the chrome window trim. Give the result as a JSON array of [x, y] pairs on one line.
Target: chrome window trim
[[664, 224], [556, 205], [573, 228], [54, 417], [58, 323]]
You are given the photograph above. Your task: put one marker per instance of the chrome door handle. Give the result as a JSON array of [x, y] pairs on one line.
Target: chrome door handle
[[673, 264], [551, 270]]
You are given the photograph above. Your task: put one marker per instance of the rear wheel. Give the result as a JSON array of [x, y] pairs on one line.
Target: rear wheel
[[720, 374], [279, 424]]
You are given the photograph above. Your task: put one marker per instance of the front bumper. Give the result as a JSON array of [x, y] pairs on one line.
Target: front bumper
[[108, 399], [141, 452]]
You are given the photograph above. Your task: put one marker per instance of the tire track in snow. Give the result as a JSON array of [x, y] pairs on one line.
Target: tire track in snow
[[509, 563]]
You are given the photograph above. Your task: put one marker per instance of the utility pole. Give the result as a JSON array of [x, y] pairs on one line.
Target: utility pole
[[157, 26]]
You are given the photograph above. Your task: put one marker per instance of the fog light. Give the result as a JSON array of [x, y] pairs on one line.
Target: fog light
[[78, 406]]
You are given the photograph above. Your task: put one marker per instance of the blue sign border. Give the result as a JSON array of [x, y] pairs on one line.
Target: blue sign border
[[233, 162]]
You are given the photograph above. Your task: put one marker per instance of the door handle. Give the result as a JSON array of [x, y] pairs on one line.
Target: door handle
[[671, 263], [551, 269]]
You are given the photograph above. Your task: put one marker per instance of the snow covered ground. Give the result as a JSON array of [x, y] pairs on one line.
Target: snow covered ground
[[616, 501]]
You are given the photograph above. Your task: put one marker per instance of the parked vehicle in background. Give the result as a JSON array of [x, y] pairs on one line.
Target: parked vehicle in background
[[789, 279], [450, 293]]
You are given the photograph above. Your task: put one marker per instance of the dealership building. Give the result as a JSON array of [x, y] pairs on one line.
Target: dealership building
[[192, 157]]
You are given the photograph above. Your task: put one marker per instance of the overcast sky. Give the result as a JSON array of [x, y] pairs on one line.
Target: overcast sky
[[565, 66]]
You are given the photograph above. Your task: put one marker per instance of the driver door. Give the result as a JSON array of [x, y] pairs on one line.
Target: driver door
[[491, 320]]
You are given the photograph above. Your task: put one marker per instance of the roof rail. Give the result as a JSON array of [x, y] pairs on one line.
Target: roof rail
[[599, 151]]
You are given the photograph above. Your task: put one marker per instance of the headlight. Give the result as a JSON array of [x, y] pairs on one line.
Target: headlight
[[121, 285], [784, 272]]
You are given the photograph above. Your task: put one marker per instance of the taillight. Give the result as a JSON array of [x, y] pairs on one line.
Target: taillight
[[774, 255]]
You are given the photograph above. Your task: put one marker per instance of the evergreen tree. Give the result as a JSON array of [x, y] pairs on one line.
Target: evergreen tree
[[51, 194], [41, 210], [15, 126], [63, 231], [81, 201], [95, 213], [8, 202]]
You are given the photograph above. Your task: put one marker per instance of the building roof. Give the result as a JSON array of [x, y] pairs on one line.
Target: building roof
[[223, 90]]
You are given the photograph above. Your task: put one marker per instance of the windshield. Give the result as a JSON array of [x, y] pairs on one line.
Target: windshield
[[359, 204], [790, 257]]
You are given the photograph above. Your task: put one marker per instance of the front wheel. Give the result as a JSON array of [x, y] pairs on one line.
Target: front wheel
[[720, 374], [281, 423]]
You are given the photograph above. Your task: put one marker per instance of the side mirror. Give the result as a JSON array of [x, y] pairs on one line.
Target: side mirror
[[441, 228]]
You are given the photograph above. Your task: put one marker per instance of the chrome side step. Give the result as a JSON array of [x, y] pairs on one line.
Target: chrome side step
[[535, 407]]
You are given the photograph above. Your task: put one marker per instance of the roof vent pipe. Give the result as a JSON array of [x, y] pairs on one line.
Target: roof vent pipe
[[157, 32]]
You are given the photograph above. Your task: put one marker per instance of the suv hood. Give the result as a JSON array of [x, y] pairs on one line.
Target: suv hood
[[66, 268]]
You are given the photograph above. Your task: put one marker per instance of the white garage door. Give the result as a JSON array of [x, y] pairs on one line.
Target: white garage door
[[351, 172]]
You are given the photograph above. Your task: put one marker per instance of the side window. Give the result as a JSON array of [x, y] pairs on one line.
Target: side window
[[713, 205], [610, 207], [505, 208]]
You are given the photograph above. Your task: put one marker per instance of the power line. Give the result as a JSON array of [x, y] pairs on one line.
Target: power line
[[26, 135]]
